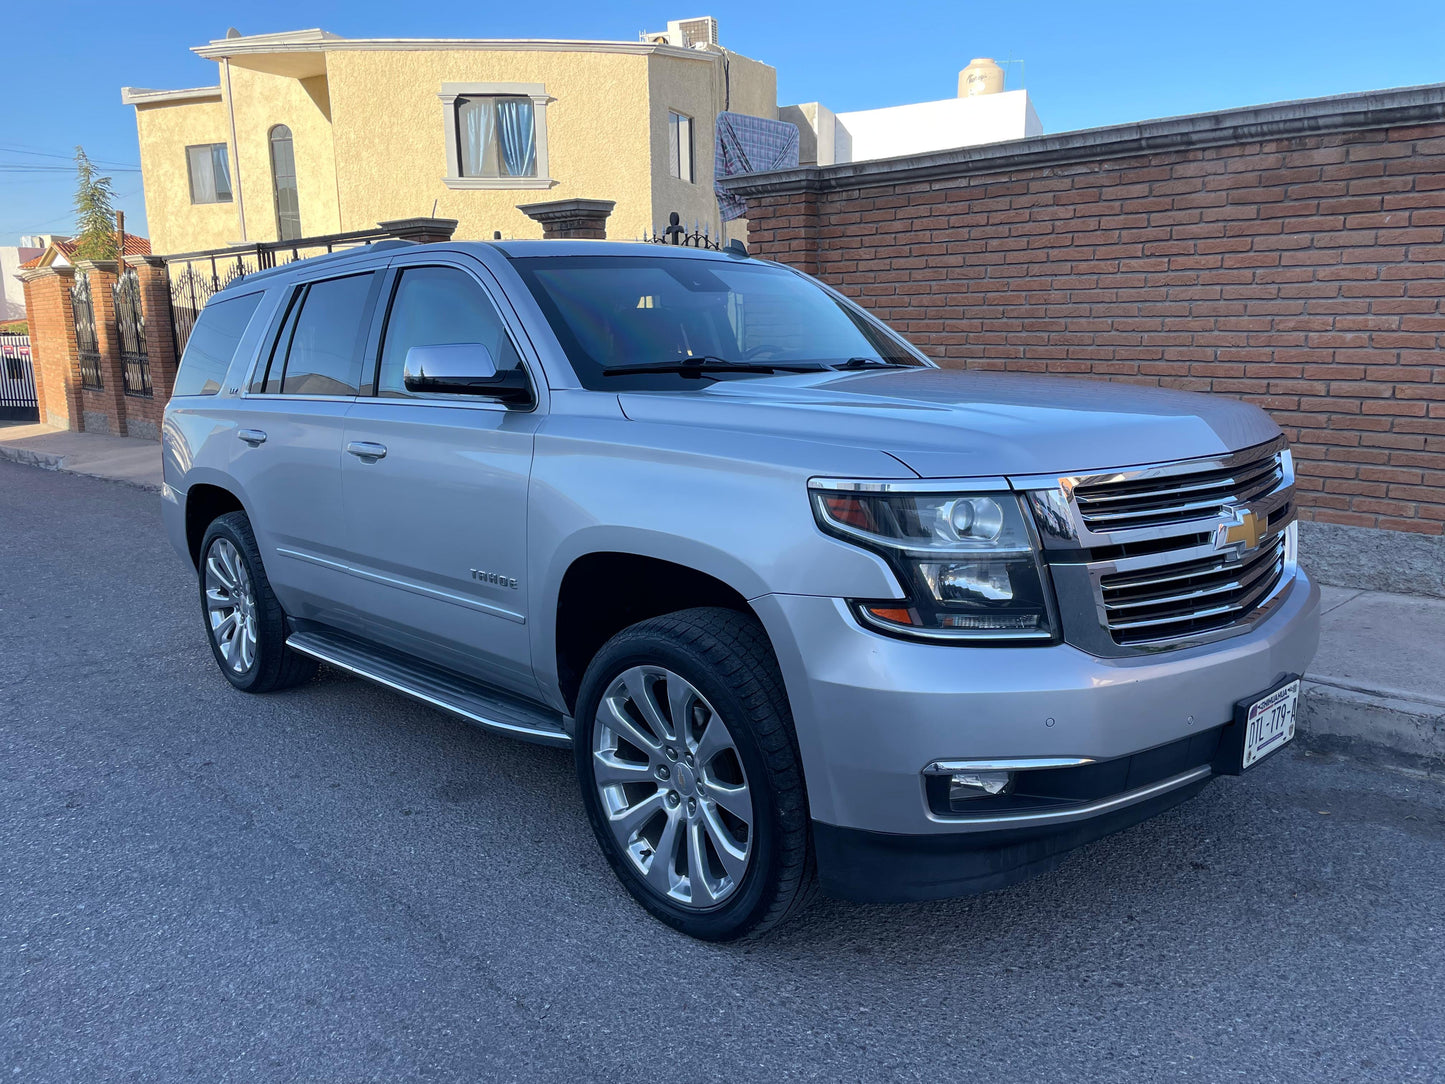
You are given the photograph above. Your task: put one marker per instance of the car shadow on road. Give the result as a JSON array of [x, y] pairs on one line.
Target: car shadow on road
[[1227, 861]]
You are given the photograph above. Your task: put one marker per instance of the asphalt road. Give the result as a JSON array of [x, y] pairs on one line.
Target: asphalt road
[[334, 884]]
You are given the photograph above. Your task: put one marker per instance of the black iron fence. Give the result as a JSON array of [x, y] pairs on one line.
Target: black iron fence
[[18, 402], [82, 308], [131, 331], [195, 276], [675, 233]]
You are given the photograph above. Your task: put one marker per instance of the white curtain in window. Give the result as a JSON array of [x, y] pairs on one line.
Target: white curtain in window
[[220, 171], [203, 178], [514, 122], [476, 123]]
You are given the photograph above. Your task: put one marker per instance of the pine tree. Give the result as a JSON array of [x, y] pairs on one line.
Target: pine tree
[[94, 217]]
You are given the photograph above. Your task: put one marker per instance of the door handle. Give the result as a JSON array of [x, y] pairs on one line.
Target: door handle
[[367, 451], [253, 437]]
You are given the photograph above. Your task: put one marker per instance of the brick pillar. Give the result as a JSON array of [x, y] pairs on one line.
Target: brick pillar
[[421, 230], [143, 416], [571, 218], [103, 411], [52, 345], [784, 227]]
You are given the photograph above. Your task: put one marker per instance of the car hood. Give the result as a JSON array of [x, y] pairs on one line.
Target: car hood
[[948, 423]]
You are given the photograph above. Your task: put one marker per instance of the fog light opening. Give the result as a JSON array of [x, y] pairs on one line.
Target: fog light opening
[[963, 786]]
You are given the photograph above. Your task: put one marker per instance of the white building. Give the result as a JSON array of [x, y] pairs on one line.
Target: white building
[[982, 113], [12, 293]]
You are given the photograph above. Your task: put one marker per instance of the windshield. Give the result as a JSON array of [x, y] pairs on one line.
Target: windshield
[[698, 316]]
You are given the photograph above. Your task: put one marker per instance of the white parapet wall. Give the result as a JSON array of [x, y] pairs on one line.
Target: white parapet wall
[[869, 134]]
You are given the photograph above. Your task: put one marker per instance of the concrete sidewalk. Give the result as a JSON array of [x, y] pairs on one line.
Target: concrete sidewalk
[[117, 459], [1377, 686]]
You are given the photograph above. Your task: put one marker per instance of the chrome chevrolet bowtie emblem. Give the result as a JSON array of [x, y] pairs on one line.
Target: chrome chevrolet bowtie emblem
[[1241, 532]]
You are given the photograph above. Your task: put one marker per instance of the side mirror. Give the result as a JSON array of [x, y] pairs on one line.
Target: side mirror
[[463, 369]]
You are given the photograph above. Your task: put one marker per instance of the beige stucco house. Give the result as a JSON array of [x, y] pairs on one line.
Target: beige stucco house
[[307, 133]]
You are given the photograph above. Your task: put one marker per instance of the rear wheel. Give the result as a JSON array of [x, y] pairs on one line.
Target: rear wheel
[[244, 622], [690, 773]]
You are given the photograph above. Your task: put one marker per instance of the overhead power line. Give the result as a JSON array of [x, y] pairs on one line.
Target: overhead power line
[[108, 163], [12, 167]]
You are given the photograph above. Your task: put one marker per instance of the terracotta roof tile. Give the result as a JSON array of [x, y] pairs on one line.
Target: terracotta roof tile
[[134, 246]]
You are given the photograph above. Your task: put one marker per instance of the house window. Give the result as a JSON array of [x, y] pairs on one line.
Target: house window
[[210, 170], [283, 184], [496, 135], [679, 146]]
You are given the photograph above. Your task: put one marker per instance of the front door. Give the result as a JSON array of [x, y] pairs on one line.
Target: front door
[[435, 488]]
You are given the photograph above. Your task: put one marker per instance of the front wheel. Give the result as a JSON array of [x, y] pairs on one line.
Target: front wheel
[[690, 775]]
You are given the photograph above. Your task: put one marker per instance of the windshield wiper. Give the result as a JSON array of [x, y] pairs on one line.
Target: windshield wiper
[[705, 364], [874, 363]]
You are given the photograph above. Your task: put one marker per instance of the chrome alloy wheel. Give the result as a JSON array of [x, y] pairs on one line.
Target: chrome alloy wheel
[[231, 605], [672, 787]]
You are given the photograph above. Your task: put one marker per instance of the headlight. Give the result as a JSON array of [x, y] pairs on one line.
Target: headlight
[[968, 560]]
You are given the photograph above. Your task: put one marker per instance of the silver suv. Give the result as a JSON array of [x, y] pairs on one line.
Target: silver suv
[[808, 609]]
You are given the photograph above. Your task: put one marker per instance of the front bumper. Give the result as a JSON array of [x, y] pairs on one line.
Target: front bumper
[[872, 711], [878, 867]]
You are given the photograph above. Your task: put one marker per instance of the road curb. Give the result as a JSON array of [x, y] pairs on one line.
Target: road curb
[[1405, 732], [31, 458], [28, 457]]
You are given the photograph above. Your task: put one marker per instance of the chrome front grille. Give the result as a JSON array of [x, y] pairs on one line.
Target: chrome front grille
[[1130, 501], [1168, 555], [1168, 601]]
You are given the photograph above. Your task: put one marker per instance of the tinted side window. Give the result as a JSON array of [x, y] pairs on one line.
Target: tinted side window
[[435, 306], [327, 339], [213, 344]]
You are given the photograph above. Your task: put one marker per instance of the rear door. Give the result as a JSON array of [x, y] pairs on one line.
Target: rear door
[[289, 430], [437, 522]]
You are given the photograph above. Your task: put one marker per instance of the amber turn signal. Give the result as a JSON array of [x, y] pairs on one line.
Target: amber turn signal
[[894, 614]]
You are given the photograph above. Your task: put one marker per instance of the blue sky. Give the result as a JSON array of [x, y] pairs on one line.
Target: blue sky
[[1085, 64]]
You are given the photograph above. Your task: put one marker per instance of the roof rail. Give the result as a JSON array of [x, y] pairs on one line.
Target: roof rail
[[251, 277]]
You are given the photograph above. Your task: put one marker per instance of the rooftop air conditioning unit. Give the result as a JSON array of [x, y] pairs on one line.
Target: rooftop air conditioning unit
[[684, 33], [697, 32]]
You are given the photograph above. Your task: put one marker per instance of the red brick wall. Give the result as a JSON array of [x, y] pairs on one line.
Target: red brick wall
[[63, 402], [1304, 274], [52, 345]]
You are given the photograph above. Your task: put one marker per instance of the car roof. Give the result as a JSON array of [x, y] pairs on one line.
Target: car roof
[[514, 250]]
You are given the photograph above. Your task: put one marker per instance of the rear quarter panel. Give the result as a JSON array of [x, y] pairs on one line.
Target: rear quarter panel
[[198, 435]]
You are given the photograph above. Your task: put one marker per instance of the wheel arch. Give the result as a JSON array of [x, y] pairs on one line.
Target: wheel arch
[[205, 502], [602, 592]]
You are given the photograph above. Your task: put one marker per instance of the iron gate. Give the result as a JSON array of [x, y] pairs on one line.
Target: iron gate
[[87, 346], [131, 329], [17, 380], [195, 276], [190, 289]]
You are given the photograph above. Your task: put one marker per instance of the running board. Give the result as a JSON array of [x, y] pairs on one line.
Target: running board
[[432, 685]]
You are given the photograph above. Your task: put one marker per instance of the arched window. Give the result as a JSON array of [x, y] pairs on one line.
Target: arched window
[[283, 183]]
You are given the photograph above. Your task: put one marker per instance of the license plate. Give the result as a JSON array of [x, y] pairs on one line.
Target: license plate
[[1269, 722]]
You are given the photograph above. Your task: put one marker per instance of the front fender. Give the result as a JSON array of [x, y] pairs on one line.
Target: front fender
[[744, 521]]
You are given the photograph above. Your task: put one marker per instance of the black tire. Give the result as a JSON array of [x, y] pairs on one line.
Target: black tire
[[275, 666], [725, 656]]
